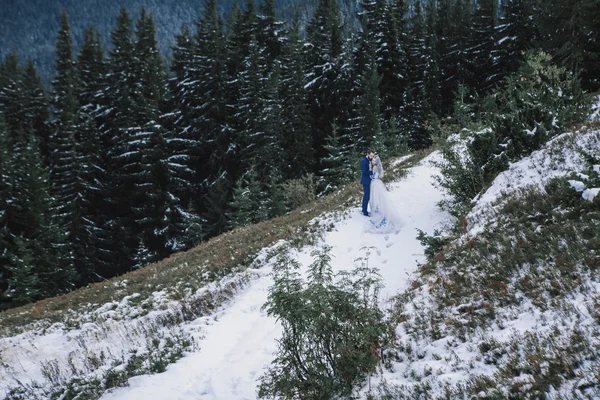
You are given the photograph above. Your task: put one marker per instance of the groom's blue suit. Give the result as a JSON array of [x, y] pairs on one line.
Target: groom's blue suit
[[365, 180]]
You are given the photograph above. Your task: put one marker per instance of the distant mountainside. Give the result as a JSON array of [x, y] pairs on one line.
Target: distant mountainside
[[30, 26]]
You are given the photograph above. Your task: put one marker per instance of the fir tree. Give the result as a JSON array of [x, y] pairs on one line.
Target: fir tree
[[569, 31], [337, 169], [370, 126], [64, 173], [37, 265], [183, 143], [455, 69], [119, 123], [270, 32], [249, 204], [515, 34], [325, 36], [392, 59], [216, 210], [151, 69], [295, 122], [431, 58], [5, 188], [29, 112], [93, 239], [10, 103], [482, 47]]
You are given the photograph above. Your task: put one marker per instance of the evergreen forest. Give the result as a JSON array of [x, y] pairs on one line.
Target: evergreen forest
[[125, 157]]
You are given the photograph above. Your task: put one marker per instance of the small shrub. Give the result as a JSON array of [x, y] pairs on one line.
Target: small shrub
[[298, 192], [332, 329], [460, 177]]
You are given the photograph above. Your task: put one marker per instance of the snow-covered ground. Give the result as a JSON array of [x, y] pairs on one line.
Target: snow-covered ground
[[561, 156], [240, 340], [235, 344]]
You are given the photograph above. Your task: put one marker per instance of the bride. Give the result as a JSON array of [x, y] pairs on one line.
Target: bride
[[384, 216]]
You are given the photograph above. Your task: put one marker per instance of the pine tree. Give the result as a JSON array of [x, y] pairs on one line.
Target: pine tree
[[10, 103], [120, 122], [183, 142], [569, 31], [251, 138], [269, 122], [270, 32], [336, 166], [416, 47], [415, 109], [93, 240], [455, 61], [295, 122], [26, 104], [249, 204], [370, 126], [65, 163], [217, 199], [482, 47], [325, 37], [445, 41], [37, 265], [151, 69], [393, 59], [431, 58], [5, 188], [515, 34]]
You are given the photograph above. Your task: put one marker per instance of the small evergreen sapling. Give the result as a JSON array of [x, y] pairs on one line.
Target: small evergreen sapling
[[332, 329]]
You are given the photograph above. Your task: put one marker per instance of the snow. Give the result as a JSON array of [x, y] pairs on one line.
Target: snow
[[561, 156], [239, 341], [590, 194], [596, 109], [235, 344]]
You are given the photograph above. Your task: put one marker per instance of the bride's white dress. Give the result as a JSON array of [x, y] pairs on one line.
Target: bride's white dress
[[384, 216]]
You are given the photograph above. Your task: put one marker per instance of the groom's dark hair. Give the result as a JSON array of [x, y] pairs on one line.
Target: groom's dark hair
[[369, 152]]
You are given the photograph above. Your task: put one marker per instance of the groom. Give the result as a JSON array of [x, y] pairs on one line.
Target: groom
[[365, 180]]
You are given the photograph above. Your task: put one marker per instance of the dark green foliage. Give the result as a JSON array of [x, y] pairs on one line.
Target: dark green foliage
[[298, 151], [482, 47], [515, 35], [333, 329], [142, 165], [250, 202], [432, 244], [541, 101], [35, 262], [338, 166], [569, 31], [460, 177]]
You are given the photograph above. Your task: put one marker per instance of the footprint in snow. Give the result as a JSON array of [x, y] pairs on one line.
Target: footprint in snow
[[388, 245]]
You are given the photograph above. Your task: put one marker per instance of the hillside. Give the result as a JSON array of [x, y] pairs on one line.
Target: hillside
[[503, 306], [143, 333]]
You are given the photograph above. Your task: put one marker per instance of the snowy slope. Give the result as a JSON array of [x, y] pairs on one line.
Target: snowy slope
[[238, 342], [561, 156]]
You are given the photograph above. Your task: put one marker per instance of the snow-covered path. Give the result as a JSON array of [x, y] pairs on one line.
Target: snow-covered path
[[238, 342]]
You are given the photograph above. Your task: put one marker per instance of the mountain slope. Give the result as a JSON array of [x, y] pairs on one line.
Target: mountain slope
[[229, 347], [239, 341]]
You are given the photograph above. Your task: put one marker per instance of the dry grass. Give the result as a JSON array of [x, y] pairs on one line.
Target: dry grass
[[185, 272]]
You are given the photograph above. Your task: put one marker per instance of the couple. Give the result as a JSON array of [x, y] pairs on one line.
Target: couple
[[383, 217]]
